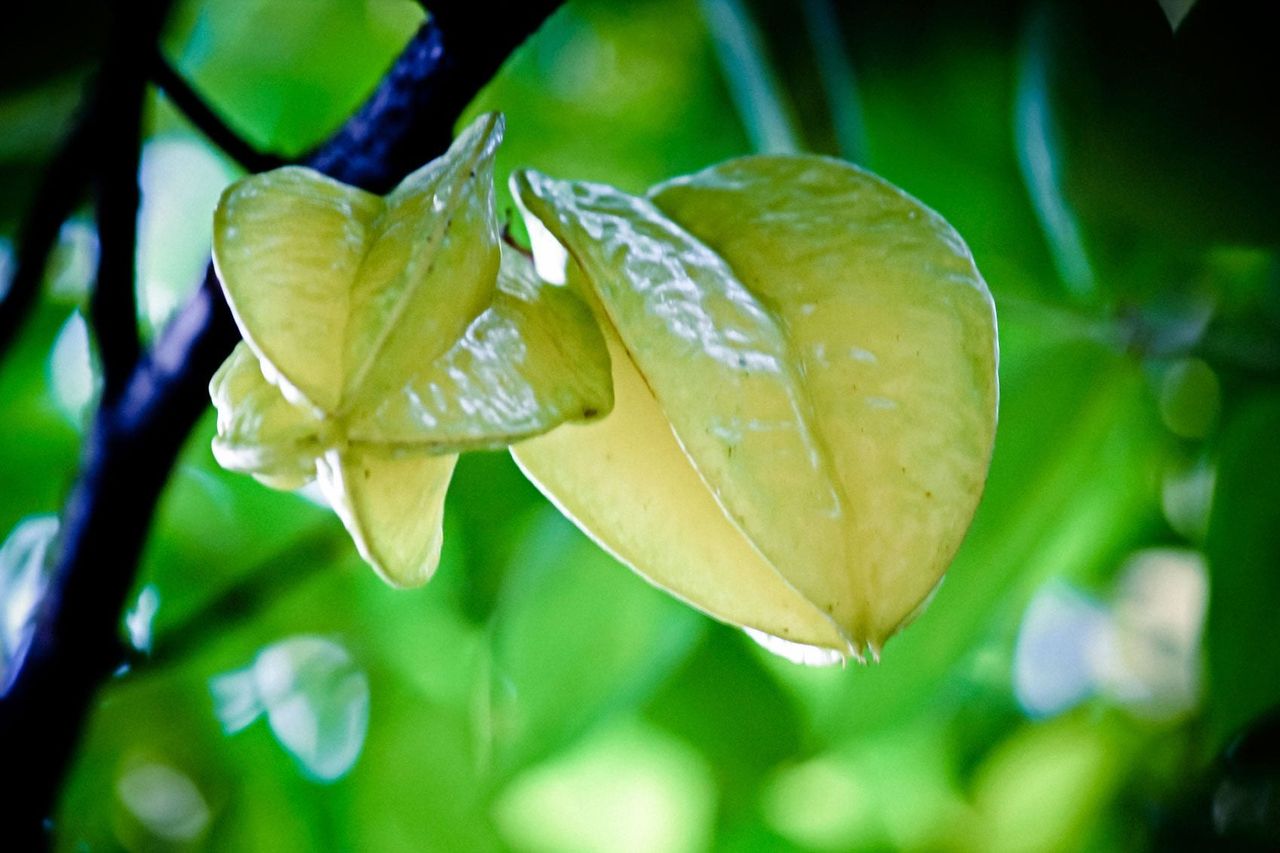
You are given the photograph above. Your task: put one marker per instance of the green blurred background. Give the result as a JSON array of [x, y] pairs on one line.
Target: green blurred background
[[1108, 627]]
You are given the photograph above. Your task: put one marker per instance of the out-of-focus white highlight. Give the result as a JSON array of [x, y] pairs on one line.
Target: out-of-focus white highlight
[[73, 372], [1053, 664], [550, 259], [314, 493], [181, 179], [138, 620], [24, 576], [796, 652], [6, 267], [1150, 659], [165, 801], [314, 696], [74, 262], [1142, 650]]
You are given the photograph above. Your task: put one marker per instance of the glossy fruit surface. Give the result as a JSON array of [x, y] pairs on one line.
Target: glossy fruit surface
[[385, 335], [818, 350]]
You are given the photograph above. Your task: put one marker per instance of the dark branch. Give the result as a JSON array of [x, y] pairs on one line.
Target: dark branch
[[61, 188], [119, 104], [207, 120], [134, 442], [388, 137]]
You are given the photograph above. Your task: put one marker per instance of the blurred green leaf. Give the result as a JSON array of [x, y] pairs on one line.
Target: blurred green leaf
[[575, 637], [895, 790], [1044, 786], [487, 486], [636, 81], [288, 90], [162, 723], [35, 119], [213, 528], [423, 789], [1190, 396], [40, 451], [628, 787], [724, 703], [1243, 550]]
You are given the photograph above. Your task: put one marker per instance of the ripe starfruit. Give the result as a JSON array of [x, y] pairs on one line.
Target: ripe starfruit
[[804, 368], [384, 335], [800, 361]]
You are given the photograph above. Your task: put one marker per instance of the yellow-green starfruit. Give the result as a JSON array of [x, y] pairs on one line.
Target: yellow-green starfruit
[[804, 366], [384, 335], [769, 388]]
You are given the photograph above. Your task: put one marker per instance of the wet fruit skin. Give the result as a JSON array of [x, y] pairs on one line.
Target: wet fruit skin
[[383, 336], [822, 351], [769, 388]]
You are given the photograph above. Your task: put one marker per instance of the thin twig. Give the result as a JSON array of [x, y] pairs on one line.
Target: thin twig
[[207, 120], [121, 93]]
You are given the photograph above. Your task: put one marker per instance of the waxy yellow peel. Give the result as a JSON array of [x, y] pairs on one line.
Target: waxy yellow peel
[[822, 352], [385, 335], [769, 388]]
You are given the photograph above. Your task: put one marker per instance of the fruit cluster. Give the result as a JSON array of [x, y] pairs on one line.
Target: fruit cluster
[[769, 388]]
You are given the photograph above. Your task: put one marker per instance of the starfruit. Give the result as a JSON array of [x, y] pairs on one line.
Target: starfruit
[[804, 367], [800, 360], [384, 335]]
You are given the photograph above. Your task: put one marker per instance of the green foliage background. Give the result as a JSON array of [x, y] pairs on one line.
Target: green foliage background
[[536, 695]]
